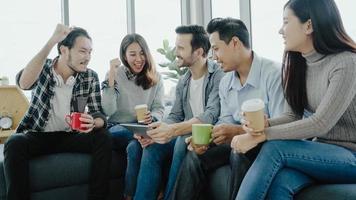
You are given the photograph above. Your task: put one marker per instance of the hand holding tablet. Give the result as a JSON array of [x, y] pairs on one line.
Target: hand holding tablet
[[140, 129]]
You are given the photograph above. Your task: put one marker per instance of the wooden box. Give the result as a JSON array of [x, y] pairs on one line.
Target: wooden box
[[14, 104]]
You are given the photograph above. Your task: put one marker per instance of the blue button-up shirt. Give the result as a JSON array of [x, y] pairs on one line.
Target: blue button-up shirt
[[263, 81]]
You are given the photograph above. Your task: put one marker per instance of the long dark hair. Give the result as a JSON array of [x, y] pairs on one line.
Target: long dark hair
[[328, 36], [148, 76]]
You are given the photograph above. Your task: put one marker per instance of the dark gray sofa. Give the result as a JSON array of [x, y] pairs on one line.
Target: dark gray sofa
[[219, 188], [65, 176], [51, 178]]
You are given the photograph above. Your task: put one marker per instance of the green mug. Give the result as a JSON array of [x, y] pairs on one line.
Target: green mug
[[202, 133]]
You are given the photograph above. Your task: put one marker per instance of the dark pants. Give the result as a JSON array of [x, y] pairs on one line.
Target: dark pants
[[193, 175], [240, 163], [21, 148]]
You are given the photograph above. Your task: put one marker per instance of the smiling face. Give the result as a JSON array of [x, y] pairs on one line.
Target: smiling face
[[135, 57], [223, 53], [186, 57], [78, 57], [296, 35]]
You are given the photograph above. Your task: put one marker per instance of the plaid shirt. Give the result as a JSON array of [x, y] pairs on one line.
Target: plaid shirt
[[86, 87]]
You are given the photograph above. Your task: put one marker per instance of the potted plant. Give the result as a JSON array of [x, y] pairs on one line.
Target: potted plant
[[169, 53]]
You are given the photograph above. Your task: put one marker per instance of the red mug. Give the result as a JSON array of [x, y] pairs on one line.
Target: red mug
[[74, 122]]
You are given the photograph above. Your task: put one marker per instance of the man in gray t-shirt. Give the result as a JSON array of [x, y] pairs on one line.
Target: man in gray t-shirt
[[192, 46]]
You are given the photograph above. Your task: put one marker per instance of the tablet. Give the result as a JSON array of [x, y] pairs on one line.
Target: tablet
[[136, 128]]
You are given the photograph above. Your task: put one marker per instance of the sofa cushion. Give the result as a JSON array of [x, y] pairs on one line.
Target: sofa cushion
[[50, 178], [78, 192], [52, 171]]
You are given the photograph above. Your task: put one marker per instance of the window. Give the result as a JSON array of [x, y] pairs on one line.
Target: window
[[348, 16], [266, 41], [105, 28], [155, 25], [225, 8], [266, 23], [25, 30]]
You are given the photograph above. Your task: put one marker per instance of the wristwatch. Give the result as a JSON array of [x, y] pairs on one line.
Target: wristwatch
[[5, 122]]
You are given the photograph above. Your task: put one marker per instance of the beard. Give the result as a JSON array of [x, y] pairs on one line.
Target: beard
[[187, 62], [71, 65]]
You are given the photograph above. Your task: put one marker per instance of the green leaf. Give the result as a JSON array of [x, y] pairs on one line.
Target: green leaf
[[172, 66], [161, 51], [162, 65], [171, 56], [165, 44]]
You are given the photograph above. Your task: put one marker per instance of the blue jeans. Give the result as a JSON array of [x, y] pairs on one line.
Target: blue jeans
[[123, 138], [150, 174], [301, 161], [288, 182], [180, 150]]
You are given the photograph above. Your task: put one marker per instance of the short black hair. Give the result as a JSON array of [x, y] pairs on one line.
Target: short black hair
[[69, 41], [200, 37], [228, 28]]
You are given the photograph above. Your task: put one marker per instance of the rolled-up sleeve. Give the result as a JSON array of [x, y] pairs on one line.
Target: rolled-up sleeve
[[177, 113], [94, 100], [110, 96]]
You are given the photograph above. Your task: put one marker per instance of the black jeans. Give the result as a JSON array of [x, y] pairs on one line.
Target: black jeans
[[240, 163], [20, 148], [193, 175]]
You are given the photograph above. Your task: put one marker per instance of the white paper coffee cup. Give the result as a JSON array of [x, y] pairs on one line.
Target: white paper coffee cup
[[254, 113], [141, 111]]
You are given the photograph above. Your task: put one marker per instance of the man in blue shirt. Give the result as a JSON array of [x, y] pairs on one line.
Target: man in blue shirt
[[249, 76]]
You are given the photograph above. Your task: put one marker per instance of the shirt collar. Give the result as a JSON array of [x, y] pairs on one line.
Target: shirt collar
[[255, 72], [253, 76], [313, 57], [59, 82], [129, 74]]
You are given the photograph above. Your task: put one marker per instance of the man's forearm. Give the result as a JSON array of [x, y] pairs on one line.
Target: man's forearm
[[185, 127], [34, 67]]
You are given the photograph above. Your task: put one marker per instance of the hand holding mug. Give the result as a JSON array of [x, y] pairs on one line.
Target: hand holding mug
[[143, 114], [253, 116], [88, 123], [201, 138], [248, 129], [148, 118], [81, 122], [198, 149]]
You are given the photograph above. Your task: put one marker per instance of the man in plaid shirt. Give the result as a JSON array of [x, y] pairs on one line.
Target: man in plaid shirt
[[59, 87]]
